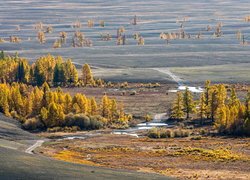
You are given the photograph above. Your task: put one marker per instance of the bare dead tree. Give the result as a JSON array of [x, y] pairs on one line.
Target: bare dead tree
[[63, 37], [90, 23], [18, 28], [218, 32], [106, 37], [239, 35], [141, 41], [41, 37], [2, 40], [247, 19], [14, 39], [39, 26], [79, 40], [102, 23], [134, 20], [199, 35], [49, 29], [77, 24], [136, 36], [209, 28], [57, 44]]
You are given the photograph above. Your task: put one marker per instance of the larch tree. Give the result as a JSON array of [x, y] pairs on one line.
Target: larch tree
[[105, 109], [37, 96], [16, 100], [212, 106], [188, 103], [87, 75], [76, 109], [44, 115], [113, 109], [177, 109], [233, 98], [207, 97], [4, 94], [122, 117], [71, 74], [247, 114], [55, 115], [20, 76], [247, 104], [81, 101], [94, 107], [202, 107], [67, 104], [221, 118]]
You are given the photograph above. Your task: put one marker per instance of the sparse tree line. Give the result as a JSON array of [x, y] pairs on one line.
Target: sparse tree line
[[228, 114], [53, 70], [79, 40], [42, 108]]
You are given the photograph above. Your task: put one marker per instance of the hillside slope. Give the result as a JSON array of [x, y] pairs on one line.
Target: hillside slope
[[16, 164]]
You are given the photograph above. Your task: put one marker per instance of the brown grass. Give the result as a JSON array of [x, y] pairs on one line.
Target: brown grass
[[184, 158]]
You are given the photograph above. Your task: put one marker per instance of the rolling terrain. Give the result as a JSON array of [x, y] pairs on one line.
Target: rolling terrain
[[16, 164], [131, 60]]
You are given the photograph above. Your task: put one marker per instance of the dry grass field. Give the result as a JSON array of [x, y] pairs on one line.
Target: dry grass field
[[184, 158]]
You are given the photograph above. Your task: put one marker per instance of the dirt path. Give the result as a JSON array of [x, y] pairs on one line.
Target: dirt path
[[34, 146], [166, 71]]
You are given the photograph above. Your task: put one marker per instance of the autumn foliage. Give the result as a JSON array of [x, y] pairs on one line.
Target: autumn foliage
[[42, 108], [227, 112], [54, 70]]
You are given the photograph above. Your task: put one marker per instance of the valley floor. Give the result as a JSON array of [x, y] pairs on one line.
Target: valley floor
[[182, 158]]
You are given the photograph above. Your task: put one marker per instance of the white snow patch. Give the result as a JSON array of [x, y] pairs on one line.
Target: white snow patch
[[191, 88], [152, 124]]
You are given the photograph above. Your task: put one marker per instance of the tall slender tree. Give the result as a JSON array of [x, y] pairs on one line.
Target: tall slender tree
[[87, 75], [202, 107], [177, 109], [188, 103]]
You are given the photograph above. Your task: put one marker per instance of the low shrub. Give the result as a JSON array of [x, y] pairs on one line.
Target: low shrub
[[64, 129], [84, 122], [154, 133], [95, 122], [33, 124], [196, 138], [202, 131], [54, 129], [133, 93], [181, 133], [167, 133]]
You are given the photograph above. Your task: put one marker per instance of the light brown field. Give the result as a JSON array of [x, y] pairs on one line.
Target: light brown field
[[208, 158]]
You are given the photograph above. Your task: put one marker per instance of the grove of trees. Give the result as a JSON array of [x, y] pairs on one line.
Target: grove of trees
[[42, 108], [229, 114], [53, 70]]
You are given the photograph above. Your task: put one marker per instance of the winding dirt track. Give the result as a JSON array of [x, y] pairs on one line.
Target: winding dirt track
[[166, 71], [34, 146]]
